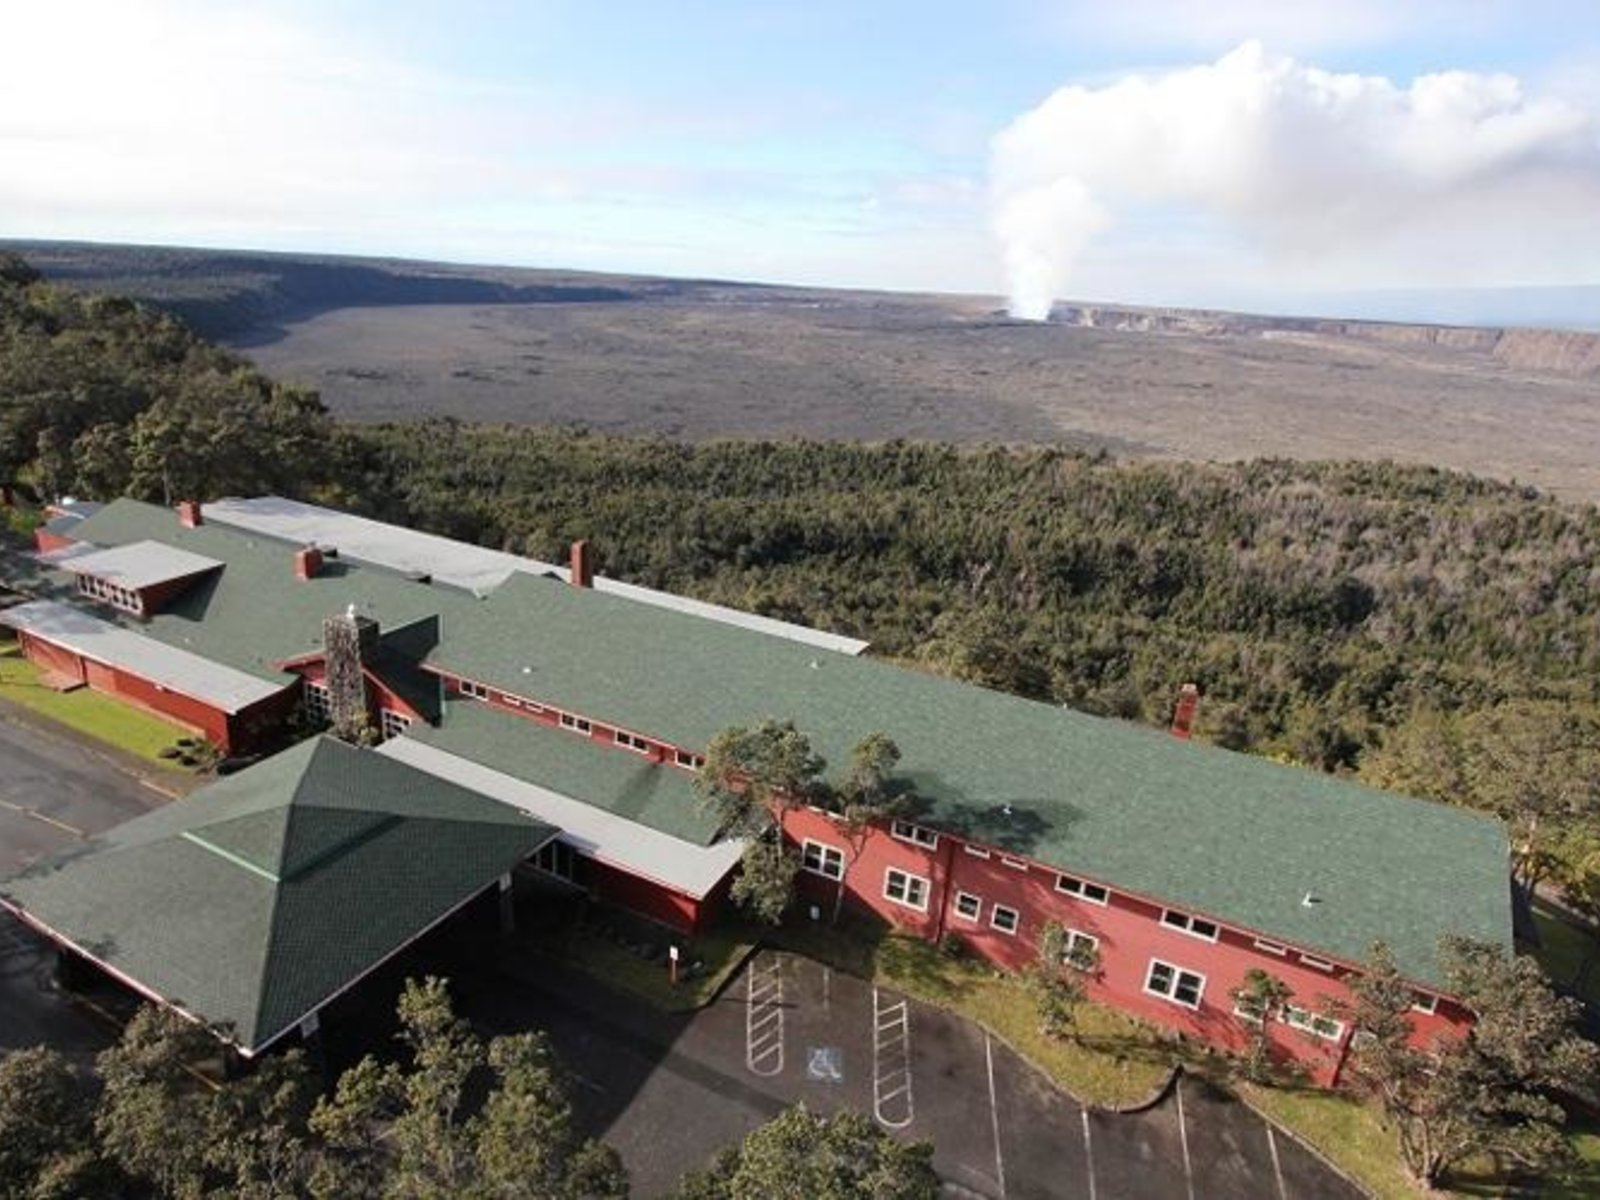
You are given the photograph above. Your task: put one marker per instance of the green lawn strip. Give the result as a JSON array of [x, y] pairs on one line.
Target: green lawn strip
[[100, 717], [1564, 949], [1349, 1133], [722, 952]]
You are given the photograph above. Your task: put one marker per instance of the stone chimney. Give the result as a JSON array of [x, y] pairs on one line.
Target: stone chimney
[[582, 565], [348, 642], [307, 562], [189, 514], [1183, 713]]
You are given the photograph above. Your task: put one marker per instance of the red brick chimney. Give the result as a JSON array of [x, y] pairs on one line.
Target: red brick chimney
[[582, 565], [1183, 714], [307, 562], [189, 514]]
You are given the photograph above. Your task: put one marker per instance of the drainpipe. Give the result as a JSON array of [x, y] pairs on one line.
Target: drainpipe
[[945, 889]]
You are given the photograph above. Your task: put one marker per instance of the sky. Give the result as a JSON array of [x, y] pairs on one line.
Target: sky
[[1239, 153]]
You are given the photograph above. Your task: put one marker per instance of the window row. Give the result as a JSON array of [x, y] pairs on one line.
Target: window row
[[1001, 916], [126, 599]]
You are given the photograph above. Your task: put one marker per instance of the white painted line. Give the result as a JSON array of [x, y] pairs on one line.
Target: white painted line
[[891, 1062], [994, 1118], [827, 988], [1088, 1151], [1277, 1167], [763, 1030], [1183, 1138]]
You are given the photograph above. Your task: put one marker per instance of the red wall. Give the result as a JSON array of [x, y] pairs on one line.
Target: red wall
[[49, 657], [1128, 928], [45, 540], [653, 900]]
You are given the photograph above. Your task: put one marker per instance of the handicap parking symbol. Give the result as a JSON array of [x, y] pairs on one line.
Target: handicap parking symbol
[[825, 1064]]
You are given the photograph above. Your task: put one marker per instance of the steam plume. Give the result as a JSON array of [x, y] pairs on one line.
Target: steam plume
[[1307, 167]]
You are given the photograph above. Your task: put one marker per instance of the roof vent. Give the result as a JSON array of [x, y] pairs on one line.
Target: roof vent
[[1005, 810], [815, 665], [1310, 900]]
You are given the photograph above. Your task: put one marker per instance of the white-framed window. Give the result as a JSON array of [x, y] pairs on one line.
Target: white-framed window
[[476, 690], [975, 851], [1250, 1008], [630, 741], [576, 724], [688, 760], [1317, 963], [905, 888], [393, 723], [1425, 1003], [1080, 950], [1313, 1023], [1271, 948], [1004, 919], [822, 859], [1175, 984], [1082, 889], [1016, 864], [1194, 926], [915, 834], [318, 701], [968, 906]]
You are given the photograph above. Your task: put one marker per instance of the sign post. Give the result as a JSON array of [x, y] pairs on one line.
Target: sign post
[[672, 965]]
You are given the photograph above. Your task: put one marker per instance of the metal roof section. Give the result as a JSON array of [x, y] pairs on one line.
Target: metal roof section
[[683, 866], [166, 666], [475, 568], [64, 554], [139, 565]]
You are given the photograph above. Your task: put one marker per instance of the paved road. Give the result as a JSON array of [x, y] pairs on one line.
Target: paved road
[[54, 792], [668, 1092]]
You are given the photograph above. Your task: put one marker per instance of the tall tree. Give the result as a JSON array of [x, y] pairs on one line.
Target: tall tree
[[1259, 1000], [865, 799], [47, 1145]]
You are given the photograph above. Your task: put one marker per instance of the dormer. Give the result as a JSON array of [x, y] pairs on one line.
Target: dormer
[[139, 578]]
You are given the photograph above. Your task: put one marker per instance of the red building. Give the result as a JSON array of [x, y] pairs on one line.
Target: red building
[[588, 703]]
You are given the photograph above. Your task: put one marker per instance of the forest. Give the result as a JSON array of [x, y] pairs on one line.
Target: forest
[[1421, 629]]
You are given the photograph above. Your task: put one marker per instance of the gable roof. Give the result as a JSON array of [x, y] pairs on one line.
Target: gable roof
[[258, 898], [1233, 836]]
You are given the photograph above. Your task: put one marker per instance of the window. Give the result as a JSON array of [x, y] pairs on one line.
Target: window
[[1082, 950], [1318, 963], [476, 690], [687, 760], [907, 889], [393, 723], [915, 834], [968, 906], [1175, 984], [318, 701], [558, 859], [631, 741], [1005, 919], [1250, 1008], [1082, 889], [1194, 926], [1425, 1003], [821, 859], [576, 724], [1272, 947], [975, 851], [1016, 864], [1314, 1023]]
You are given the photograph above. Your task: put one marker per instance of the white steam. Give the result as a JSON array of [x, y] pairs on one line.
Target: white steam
[[1458, 176]]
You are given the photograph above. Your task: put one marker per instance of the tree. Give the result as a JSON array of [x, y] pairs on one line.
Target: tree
[[865, 799], [752, 772], [405, 1129], [1258, 1000], [1056, 979], [47, 1129], [765, 885], [1486, 1091], [799, 1155]]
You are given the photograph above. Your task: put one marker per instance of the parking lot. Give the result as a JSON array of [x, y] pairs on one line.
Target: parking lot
[[669, 1091]]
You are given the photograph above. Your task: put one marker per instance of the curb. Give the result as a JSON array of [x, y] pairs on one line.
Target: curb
[[1307, 1146]]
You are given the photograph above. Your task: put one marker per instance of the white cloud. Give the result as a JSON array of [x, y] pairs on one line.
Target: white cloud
[[1332, 179]]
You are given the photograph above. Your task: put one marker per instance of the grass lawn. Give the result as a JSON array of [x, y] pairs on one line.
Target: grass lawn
[[1564, 951], [723, 952], [1347, 1131], [88, 712]]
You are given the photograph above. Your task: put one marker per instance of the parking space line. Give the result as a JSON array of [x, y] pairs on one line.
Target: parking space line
[[1277, 1167], [763, 1030], [1183, 1140], [891, 1062], [39, 816], [994, 1118], [1088, 1151]]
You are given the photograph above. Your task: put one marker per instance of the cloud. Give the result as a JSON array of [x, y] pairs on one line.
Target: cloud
[[1334, 179]]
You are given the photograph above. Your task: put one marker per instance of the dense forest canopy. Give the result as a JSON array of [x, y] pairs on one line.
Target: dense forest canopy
[[1430, 630]]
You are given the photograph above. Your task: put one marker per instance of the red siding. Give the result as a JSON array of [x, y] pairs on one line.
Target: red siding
[[156, 598], [1129, 930], [45, 540], [653, 900], [51, 657]]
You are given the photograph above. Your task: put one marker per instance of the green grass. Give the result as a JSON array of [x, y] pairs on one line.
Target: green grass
[[88, 712], [1350, 1133], [1565, 949], [723, 952]]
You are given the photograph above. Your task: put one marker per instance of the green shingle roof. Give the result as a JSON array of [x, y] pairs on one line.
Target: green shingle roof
[[254, 900], [624, 784], [1236, 837]]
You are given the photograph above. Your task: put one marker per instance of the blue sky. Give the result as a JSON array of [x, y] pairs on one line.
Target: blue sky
[[822, 142]]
